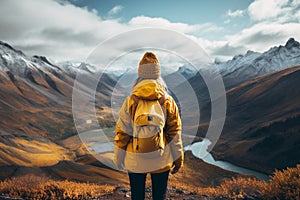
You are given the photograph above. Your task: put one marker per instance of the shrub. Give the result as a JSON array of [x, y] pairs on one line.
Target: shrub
[[240, 188], [284, 185], [35, 187]]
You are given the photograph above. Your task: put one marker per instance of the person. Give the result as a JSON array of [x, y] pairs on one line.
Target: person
[[149, 86]]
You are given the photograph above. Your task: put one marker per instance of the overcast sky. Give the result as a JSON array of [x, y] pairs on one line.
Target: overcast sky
[[70, 30]]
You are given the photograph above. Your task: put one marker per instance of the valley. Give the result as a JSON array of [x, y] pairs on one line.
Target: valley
[[38, 134]]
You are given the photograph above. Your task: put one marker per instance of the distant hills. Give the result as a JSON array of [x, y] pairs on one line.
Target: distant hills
[[245, 67], [262, 129], [36, 107]]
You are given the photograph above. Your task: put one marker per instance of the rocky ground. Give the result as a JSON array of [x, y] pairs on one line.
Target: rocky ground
[[121, 193]]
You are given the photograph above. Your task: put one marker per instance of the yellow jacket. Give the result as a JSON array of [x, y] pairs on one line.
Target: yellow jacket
[[173, 153]]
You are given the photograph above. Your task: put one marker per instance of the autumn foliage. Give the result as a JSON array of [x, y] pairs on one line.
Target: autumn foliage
[[282, 185], [35, 187]]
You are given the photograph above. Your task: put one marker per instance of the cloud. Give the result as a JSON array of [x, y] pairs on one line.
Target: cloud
[[274, 22], [209, 27], [62, 31], [143, 21], [196, 29], [262, 36], [115, 10], [259, 37], [279, 10], [227, 21], [56, 29], [236, 13]]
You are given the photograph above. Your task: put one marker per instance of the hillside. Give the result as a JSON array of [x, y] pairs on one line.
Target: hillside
[[263, 122], [36, 107]]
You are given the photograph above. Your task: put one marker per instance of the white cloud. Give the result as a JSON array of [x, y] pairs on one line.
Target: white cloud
[[63, 31], [262, 36], [279, 10], [115, 10], [275, 21], [59, 30], [259, 37], [143, 21], [236, 13], [197, 29], [209, 27], [227, 21]]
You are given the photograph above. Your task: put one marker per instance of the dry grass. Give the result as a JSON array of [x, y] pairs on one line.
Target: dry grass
[[34, 187], [239, 188], [32, 152], [283, 185]]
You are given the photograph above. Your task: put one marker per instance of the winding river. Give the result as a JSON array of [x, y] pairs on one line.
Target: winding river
[[199, 149]]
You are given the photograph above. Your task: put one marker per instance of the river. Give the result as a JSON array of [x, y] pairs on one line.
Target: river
[[199, 149], [99, 143]]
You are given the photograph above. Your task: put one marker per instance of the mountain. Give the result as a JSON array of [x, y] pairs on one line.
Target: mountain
[[187, 71], [72, 68], [245, 67], [36, 107], [262, 127], [37, 130]]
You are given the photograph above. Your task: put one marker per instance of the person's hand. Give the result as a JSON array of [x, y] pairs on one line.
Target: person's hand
[[176, 166], [175, 169]]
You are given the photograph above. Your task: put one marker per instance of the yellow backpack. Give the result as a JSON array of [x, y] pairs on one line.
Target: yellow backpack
[[148, 123]]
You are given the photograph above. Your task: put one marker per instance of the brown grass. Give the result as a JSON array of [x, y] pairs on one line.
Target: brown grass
[[34, 187], [283, 185], [239, 188]]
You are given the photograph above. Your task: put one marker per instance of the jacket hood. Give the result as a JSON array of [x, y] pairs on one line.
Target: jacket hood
[[149, 90]]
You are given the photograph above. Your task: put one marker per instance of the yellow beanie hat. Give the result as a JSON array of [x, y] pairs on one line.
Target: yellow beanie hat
[[149, 66]]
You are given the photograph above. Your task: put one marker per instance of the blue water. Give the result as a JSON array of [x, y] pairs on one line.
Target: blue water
[[199, 149], [99, 143]]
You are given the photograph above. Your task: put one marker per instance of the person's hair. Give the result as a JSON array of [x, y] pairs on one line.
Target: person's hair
[[160, 81]]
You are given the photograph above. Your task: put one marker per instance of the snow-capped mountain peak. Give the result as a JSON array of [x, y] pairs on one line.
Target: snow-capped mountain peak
[[237, 62], [254, 64], [13, 60], [187, 71], [292, 43], [18, 63]]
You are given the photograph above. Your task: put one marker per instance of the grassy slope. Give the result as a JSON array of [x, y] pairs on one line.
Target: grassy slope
[[262, 124]]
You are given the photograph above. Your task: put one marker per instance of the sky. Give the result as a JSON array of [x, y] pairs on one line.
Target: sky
[[69, 30]]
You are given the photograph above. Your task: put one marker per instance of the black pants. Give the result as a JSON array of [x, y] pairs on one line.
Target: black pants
[[159, 185]]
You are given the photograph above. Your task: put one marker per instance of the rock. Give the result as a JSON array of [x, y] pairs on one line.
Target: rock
[[148, 189], [128, 194]]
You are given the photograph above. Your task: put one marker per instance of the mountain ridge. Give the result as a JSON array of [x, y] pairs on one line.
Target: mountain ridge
[[254, 64]]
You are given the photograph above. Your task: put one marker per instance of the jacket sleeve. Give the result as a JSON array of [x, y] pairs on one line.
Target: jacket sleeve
[[123, 132], [173, 131]]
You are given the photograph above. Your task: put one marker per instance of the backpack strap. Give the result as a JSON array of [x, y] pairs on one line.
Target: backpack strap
[[161, 100], [135, 99]]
